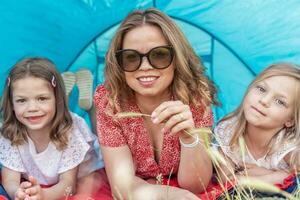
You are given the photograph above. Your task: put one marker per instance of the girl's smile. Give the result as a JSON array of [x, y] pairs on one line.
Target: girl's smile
[[35, 119], [34, 104]]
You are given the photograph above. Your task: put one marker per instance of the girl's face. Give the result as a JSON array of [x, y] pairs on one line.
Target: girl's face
[[34, 104], [269, 103], [148, 81]]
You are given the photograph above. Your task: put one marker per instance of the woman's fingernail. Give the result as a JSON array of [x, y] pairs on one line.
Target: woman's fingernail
[[155, 120], [164, 130], [153, 115]]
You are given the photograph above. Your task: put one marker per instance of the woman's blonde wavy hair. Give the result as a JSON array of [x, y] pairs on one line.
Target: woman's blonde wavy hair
[[42, 68], [190, 84], [292, 134]]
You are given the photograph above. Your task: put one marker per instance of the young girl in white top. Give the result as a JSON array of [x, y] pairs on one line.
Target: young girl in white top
[[268, 122], [41, 142]]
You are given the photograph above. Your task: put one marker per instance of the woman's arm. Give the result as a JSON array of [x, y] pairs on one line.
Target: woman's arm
[[125, 185], [195, 168]]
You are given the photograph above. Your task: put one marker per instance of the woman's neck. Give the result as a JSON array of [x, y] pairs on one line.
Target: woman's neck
[[147, 104]]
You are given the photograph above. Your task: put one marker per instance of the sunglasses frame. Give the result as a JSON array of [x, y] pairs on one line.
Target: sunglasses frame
[[142, 55]]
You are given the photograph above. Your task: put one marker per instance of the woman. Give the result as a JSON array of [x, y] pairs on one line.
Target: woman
[[152, 70]]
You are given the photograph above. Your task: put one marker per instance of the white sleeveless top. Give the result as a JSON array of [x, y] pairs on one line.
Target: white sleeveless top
[[224, 132], [47, 165]]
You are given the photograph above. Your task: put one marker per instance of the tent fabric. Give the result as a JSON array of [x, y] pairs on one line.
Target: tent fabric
[[235, 39]]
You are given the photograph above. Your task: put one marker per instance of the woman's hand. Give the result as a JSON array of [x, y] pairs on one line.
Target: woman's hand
[[176, 116]]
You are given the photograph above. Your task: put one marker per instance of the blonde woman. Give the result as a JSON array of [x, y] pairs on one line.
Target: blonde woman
[[152, 69]]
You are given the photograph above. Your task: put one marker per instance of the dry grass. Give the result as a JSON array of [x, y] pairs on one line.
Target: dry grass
[[245, 189]]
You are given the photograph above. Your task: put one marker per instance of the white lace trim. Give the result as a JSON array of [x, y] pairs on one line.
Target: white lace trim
[[47, 165], [223, 134], [9, 156], [79, 145]]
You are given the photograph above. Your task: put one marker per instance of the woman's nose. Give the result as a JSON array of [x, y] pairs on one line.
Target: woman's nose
[[145, 64]]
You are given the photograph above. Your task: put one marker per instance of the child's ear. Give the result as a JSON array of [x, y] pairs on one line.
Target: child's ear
[[289, 123]]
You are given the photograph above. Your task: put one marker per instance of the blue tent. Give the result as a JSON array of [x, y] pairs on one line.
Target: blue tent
[[235, 39]]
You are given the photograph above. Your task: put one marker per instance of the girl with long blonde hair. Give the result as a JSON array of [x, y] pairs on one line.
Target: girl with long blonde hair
[[261, 138]]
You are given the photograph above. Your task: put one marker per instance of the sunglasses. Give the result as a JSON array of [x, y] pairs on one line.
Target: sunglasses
[[159, 58]]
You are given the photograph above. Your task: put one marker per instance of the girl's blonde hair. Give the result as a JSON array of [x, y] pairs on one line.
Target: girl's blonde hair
[[44, 69], [190, 84], [292, 134]]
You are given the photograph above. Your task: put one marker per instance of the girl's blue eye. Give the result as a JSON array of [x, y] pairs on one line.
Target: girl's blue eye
[[260, 88], [280, 102]]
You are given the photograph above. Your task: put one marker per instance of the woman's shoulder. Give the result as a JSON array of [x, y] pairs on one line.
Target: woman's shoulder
[[202, 115], [101, 96], [100, 91]]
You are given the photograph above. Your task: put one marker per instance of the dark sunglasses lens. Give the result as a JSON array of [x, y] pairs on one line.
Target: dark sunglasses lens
[[129, 60], [160, 57]]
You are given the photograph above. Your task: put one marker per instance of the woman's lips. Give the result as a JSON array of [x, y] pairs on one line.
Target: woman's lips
[[147, 81]]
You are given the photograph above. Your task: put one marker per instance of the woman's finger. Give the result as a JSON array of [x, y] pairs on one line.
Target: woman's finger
[[180, 121], [165, 110]]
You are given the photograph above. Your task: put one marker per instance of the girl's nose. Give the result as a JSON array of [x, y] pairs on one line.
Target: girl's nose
[[32, 106], [265, 100]]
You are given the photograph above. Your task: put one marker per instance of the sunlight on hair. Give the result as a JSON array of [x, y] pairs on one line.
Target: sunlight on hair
[[242, 146]]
